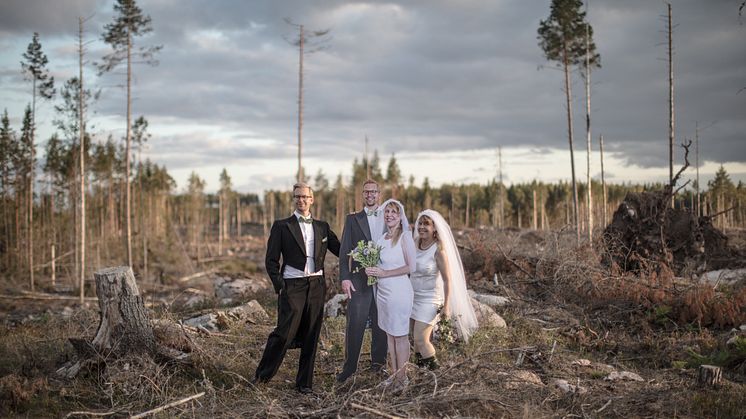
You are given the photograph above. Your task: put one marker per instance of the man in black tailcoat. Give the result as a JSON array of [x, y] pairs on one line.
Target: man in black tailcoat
[[301, 242]]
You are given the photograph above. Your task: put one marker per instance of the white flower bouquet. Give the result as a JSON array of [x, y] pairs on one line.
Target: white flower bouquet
[[368, 255]]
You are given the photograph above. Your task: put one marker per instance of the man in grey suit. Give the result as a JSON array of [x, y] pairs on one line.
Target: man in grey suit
[[364, 225]]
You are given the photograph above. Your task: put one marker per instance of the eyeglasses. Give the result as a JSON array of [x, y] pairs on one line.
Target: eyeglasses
[[306, 197], [370, 192]]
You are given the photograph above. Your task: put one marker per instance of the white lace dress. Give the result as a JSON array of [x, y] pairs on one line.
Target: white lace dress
[[427, 285], [394, 293]]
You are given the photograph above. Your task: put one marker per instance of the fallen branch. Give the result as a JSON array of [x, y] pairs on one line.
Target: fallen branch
[[93, 414], [55, 259], [195, 275], [604, 407], [43, 296], [720, 213], [167, 406], [373, 411], [512, 261]]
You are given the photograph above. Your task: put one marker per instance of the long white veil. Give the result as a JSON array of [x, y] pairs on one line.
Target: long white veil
[[407, 241], [462, 311]]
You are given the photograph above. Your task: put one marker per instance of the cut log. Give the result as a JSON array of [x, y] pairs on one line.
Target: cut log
[[124, 327], [709, 376]]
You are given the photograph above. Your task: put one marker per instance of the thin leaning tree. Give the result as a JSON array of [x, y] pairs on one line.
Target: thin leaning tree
[[34, 68], [308, 42], [564, 40], [129, 22]]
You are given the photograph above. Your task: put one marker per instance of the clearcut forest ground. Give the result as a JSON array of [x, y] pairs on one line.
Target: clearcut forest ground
[[568, 318]]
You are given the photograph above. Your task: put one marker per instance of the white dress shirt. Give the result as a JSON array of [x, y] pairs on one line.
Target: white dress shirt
[[375, 223], [309, 241]]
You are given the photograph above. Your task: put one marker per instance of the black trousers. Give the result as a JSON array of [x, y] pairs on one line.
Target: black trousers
[[300, 311]]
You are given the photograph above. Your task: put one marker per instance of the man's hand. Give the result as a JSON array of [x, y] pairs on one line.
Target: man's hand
[[348, 288]]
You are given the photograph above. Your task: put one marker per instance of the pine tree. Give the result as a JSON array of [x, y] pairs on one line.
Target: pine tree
[[35, 69], [8, 150], [128, 23], [393, 176], [562, 37]]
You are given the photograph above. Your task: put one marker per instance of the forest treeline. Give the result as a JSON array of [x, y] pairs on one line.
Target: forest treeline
[[202, 224]]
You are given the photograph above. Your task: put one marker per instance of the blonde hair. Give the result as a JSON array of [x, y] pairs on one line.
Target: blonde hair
[[396, 234], [303, 185]]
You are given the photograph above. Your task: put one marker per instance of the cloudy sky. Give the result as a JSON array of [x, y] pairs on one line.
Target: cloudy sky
[[440, 83]]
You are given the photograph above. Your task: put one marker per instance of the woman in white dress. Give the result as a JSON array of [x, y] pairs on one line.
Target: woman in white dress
[[438, 280], [393, 289]]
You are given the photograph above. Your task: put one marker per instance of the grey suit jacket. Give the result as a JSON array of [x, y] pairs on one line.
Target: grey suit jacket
[[356, 229]]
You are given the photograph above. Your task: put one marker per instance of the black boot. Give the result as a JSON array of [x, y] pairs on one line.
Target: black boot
[[418, 359], [431, 363]]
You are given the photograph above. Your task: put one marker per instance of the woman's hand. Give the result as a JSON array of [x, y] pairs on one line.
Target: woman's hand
[[446, 311], [375, 271]]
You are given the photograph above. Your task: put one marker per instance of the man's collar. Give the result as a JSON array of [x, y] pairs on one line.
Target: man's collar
[[298, 215], [370, 212]]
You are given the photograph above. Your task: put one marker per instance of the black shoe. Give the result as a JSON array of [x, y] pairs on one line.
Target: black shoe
[[376, 367], [418, 359], [304, 390], [342, 377], [257, 381], [431, 363]]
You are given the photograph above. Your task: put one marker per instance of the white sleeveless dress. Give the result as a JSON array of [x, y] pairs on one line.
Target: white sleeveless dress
[[394, 293], [427, 285]]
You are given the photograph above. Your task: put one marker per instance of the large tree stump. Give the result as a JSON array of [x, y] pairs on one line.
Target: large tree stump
[[709, 376], [124, 326]]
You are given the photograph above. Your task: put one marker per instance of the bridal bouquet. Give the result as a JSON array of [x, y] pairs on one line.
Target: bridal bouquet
[[368, 255], [445, 328]]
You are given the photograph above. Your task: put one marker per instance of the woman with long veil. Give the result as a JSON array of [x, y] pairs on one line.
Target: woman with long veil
[[439, 286], [393, 290]]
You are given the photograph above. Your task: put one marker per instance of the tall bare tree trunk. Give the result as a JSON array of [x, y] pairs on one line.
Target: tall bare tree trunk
[[81, 130], [603, 179], [671, 136], [238, 215], [534, 220], [568, 97], [468, 208], [697, 209], [128, 211], [30, 230], [220, 224], [500, 191], [589, 193], [300, 103]]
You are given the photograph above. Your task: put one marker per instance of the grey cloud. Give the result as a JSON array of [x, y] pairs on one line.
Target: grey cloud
[[424, 74]]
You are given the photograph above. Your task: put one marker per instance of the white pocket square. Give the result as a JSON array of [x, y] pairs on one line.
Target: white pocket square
[[323, 240]]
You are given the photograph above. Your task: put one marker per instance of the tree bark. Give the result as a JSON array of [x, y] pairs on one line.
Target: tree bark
[[124, 327], [568, 98], [709, 376], [81, 129]]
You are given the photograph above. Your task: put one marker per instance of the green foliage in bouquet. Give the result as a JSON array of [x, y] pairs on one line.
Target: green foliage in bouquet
[[368, 255]]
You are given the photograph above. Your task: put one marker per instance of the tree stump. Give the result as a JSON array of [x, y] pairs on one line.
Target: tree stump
[[709, 376], [124, 326]]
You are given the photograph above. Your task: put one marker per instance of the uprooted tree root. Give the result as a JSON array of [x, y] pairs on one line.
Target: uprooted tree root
[[646, 234]]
